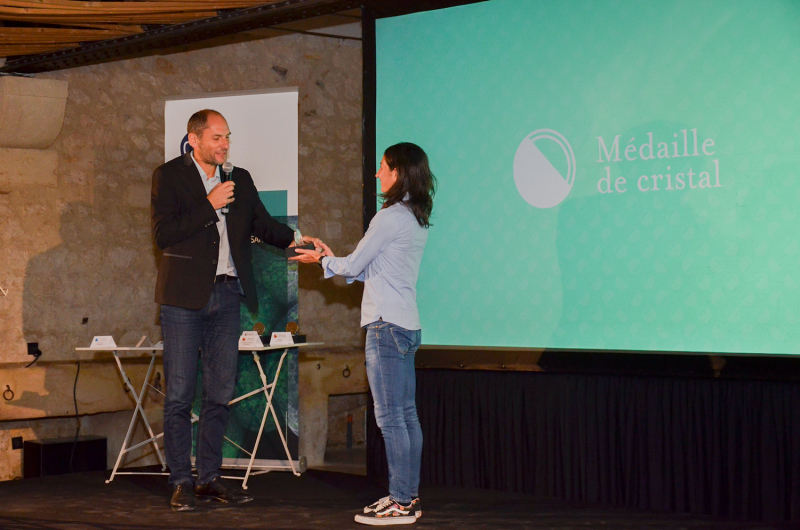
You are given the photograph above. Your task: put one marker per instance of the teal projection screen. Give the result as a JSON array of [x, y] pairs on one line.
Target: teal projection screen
[[618, 175]]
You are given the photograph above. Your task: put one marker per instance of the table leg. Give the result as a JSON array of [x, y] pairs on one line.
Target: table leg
[[153, 437], [264, 387], [138, 410], [275, 415], [269, 390]]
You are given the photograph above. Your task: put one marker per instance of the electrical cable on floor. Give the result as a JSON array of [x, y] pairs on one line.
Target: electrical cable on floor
[[77, 418]]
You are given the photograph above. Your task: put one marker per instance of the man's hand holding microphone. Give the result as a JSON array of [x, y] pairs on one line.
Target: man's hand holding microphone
[[221, 195]]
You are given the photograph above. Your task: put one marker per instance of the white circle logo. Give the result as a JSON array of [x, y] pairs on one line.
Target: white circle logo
[[537, 180]]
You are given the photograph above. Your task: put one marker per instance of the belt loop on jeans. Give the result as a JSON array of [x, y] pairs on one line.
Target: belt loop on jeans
[[223, 278]]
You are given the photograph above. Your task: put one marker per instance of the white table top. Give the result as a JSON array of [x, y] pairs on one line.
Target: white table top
[[160, 347]]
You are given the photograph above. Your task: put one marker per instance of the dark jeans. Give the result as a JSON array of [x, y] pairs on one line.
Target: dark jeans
[[390, 353], [210, 334]]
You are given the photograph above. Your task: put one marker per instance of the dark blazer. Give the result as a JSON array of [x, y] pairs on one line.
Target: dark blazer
[[184, 225]]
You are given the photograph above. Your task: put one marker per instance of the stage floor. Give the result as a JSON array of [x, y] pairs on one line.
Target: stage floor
[[316, 500]]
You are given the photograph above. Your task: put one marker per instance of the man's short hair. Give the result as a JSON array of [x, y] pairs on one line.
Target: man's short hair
[[199, 121]]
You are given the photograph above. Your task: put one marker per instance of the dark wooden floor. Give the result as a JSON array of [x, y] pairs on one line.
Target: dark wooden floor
[[316, 500]]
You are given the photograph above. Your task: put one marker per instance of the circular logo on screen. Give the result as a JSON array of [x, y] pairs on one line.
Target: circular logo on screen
[[185, 145], [543, 179]]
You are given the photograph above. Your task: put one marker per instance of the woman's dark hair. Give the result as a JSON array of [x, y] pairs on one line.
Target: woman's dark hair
[[414, 178]]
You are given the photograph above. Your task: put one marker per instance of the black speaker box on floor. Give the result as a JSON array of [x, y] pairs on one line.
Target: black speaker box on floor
[[42, 458]]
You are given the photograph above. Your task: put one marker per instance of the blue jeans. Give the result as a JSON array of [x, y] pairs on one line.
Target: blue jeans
[[390, 353], [210, 334]]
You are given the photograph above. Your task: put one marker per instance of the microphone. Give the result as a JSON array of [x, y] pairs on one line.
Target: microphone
[[227, 168]]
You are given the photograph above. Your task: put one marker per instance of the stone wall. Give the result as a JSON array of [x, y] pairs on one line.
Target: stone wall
[[78, 258]]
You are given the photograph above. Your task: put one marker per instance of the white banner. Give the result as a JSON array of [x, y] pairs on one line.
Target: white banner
[[263, 128]]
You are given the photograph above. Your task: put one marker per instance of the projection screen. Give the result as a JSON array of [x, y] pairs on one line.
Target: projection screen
[[612, 175]]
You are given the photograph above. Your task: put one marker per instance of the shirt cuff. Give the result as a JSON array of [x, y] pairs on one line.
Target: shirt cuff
[[325, 271]]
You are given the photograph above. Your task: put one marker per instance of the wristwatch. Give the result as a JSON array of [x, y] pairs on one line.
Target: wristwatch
[[319, 261]]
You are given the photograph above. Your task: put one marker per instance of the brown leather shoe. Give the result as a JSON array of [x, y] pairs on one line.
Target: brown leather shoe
[[220, 491], [182, 498]]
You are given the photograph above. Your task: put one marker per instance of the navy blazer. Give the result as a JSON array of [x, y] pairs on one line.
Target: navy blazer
[[184, 226]]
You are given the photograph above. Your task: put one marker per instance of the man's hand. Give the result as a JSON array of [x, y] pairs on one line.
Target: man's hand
[[221, 195]]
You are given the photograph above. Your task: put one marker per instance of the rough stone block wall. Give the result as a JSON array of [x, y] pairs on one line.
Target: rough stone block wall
[[78, 258]]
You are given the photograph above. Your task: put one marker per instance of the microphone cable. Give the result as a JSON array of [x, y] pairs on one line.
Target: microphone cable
[[77, 418]]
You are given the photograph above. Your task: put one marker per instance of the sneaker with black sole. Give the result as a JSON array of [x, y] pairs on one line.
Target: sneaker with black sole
[[387, 512], [416, 506]]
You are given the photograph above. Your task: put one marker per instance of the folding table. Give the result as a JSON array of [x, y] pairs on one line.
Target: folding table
[[267, 388]]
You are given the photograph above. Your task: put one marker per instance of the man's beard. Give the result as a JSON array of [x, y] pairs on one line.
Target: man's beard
[[208, 157]]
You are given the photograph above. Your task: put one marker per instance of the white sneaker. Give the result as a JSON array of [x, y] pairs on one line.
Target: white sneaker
[[387, 512], [416, 504]]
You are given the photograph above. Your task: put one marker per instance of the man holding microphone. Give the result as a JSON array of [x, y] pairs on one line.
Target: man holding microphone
[[204, 275]]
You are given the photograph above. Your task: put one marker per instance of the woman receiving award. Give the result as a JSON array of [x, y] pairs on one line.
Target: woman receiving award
[[387, 260]]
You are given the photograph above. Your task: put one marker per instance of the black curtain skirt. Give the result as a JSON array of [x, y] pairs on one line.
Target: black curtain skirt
[[726, 448]]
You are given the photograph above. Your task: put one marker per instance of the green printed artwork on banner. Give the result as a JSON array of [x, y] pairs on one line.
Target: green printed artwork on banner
[[612, 175]]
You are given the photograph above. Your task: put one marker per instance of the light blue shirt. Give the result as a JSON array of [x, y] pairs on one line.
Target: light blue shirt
[[225, 260], [387, 260]]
